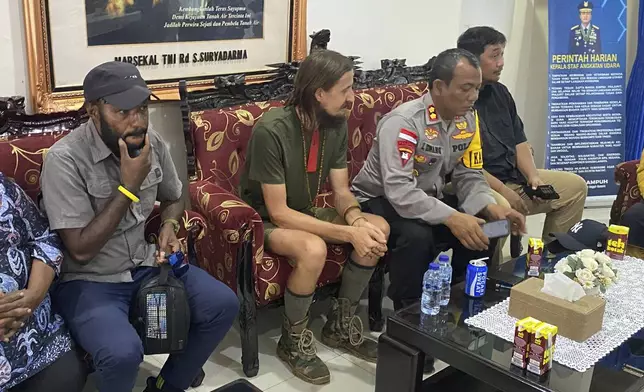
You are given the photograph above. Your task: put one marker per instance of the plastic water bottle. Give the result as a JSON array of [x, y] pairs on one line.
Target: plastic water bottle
[[432, 289], [446, 274]]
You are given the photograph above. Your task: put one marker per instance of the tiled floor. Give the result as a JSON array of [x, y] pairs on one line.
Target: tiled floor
[[347, 373]]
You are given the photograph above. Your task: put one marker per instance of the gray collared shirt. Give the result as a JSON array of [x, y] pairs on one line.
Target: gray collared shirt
[[413, 152], [79, 178]]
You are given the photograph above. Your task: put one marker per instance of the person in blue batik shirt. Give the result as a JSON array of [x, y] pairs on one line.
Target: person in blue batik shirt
[[36, 351]]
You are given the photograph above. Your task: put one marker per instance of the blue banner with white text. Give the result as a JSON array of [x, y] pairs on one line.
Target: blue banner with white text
[[586, 85]]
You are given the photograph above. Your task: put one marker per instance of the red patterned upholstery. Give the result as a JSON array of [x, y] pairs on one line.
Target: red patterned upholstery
[[221, 137], [220, 140], [23, 157], [628, 193]]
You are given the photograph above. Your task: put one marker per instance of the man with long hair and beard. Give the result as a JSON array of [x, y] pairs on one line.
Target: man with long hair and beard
[[291, 153], [99, 186]]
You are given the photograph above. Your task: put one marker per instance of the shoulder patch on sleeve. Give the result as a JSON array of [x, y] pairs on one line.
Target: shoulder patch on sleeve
[[406, 143], [407, 135]]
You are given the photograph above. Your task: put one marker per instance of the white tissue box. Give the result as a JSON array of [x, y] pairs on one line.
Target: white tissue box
[[576, 320]]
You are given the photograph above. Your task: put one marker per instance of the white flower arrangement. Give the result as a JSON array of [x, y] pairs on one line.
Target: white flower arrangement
[[589, 268]]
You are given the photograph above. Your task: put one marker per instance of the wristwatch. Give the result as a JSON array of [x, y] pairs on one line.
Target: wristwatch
[[175, 224]]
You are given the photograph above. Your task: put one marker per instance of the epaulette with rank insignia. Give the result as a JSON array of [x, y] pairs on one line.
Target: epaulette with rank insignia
[[431, 109], [575, 27]]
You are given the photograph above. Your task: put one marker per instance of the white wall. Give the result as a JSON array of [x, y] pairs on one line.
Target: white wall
[[368, 28], [526, 70], [13, 75]]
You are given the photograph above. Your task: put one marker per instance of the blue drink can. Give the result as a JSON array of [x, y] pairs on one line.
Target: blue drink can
[[476, 278]]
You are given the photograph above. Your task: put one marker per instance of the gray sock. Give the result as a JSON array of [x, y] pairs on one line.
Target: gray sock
[[296, 306], [355, 279]]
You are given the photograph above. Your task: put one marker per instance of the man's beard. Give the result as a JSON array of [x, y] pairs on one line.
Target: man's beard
[[111, 139], [327, 120]]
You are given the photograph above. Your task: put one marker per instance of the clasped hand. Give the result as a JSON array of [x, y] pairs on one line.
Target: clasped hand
[[368, 240], [15, 309]]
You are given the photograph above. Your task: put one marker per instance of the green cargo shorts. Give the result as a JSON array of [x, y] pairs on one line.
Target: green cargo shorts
[[323, 214]]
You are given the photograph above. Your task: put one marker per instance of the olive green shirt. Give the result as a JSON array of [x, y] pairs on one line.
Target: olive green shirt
[[276, 156]]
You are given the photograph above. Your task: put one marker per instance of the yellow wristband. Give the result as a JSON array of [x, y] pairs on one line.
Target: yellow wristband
[[128, 194]]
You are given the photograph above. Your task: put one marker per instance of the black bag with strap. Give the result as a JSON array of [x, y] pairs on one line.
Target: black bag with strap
[[161, 314]]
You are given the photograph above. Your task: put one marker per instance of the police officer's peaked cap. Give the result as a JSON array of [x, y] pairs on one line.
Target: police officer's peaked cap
[[585, 6]]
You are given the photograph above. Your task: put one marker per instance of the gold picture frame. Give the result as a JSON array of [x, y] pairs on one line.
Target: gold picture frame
[[44, 96]]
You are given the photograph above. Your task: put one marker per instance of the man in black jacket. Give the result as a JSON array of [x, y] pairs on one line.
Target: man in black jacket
[[507, 156]]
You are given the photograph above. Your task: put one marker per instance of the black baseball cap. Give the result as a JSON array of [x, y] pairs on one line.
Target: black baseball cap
[[587, 234], [119, 84]]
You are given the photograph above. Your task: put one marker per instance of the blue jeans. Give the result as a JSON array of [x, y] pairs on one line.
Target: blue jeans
[[97, 316]]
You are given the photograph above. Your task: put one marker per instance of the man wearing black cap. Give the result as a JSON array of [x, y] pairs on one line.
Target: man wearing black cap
[[99, 185], [584, 37], [508, 161]]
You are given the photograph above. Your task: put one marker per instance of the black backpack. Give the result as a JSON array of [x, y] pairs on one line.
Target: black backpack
[[160, 313]]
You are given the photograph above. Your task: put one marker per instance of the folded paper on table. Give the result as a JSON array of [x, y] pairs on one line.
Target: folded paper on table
[[560, 286], [576, 320]]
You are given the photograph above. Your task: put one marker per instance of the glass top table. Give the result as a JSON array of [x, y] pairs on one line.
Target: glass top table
[[477, 353]]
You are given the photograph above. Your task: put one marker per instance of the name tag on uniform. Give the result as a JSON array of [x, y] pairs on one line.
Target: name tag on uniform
[[432, 149]]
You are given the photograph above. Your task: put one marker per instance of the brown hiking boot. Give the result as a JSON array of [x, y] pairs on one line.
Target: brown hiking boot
[[297, 349], [344, 330]]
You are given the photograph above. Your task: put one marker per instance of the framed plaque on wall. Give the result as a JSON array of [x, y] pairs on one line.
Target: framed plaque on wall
[[167, 40]]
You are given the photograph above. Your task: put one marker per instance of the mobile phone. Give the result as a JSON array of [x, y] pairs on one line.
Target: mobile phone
[[176, 258], [502, 280], [496, 229], [544, 192], [133, 151]]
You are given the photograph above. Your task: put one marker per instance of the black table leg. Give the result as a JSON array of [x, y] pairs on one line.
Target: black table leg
[[399, 368]]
